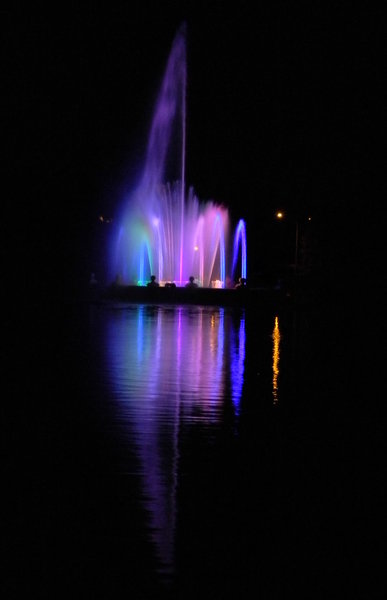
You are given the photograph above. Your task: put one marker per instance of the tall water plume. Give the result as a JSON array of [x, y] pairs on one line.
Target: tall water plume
[[165, 230]]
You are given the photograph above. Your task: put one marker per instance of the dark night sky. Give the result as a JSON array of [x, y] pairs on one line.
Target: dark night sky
[[281, 101]]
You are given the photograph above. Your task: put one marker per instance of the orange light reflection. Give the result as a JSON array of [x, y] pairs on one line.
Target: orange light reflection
[[276, 357]]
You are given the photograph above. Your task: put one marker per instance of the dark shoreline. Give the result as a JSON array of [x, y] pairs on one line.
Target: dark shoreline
[[206, 296]]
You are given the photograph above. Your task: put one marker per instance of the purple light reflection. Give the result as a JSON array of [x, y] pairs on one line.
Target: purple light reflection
[[237, 365], [168, 366]]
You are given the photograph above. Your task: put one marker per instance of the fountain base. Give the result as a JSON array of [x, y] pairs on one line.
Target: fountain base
[[213, 296]]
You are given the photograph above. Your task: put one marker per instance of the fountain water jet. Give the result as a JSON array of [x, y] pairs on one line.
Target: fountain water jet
[[165, 229]]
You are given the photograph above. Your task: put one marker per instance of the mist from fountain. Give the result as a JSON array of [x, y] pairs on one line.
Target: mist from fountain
[[164, 229]]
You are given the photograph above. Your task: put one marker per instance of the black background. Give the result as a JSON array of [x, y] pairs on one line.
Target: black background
[[283, 112]]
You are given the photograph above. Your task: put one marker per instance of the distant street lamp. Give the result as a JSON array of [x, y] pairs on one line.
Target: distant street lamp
[[296, 251], [280, 215]]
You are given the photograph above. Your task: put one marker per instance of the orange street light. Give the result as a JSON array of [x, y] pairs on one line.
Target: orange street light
[[280, 215]]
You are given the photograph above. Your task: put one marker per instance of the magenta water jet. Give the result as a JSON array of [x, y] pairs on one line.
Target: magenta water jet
[[165, 229]]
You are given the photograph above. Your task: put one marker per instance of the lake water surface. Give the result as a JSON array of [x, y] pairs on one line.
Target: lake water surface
[[183, 403], [194, 452]]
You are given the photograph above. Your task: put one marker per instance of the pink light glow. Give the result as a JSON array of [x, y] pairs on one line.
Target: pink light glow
[[182, 236]]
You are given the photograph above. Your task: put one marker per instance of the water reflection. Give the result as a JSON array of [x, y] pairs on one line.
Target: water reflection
[[167, 366], [276, 357], [169, 369], [237, 364]]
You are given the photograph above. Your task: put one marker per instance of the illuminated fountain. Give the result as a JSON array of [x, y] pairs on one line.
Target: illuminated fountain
[[164, 229]]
